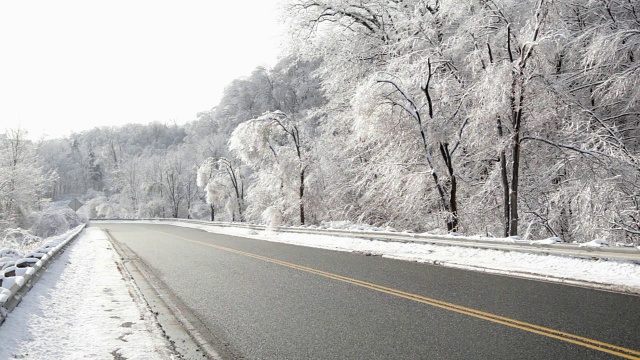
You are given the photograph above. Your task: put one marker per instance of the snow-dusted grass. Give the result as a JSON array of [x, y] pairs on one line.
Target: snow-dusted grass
[[18, 241], [56, 220], [52, 225], [615, 275], [83, 308]]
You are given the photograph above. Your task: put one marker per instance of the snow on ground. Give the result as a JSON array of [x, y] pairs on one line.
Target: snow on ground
[[548, 241], [83, 307], [595, 243], [615, 275]]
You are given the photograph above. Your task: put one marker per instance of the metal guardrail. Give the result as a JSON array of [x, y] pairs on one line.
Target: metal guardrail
[[574, 250], [17, 279]]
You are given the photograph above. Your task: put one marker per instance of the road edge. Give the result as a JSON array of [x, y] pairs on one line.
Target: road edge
[[189, 337]]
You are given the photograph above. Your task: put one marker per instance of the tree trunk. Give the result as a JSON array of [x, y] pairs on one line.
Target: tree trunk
[[505, 189], [505, 183], [213, 211], [453, 204], [301, 193], [515, 153], [513, 193], [452, 221], [239, 192]]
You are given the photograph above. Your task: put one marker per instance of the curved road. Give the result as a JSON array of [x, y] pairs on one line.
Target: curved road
[[275, 301]]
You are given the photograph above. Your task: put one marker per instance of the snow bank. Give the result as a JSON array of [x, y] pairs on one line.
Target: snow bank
[[595, 243], [83, 307], [615, 275], [348, 225], [549, 241]]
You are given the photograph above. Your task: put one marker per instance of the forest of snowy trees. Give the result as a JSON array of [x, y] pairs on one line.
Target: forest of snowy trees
[[484, 117]]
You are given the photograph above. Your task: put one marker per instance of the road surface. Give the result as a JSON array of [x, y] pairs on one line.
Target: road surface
[[268, 300]]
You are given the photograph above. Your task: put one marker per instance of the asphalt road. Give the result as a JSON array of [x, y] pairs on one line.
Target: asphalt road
[[277, 301]]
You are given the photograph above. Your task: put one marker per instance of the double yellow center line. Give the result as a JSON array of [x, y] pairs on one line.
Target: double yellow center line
[[541, 330]]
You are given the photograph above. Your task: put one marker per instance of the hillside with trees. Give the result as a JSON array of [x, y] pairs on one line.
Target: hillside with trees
[[499, 118]]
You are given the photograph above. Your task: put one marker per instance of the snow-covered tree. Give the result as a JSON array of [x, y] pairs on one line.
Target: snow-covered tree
[[397, 65], [23, 182], [223, 183], [274, 145]]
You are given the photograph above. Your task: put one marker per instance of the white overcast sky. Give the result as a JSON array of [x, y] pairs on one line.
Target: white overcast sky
[[72, 65]]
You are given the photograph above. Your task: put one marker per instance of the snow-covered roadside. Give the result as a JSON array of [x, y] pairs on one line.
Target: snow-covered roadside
[[83, 308], [613, 275]]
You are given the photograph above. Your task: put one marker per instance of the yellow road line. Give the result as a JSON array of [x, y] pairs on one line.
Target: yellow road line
[[537, 329]]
